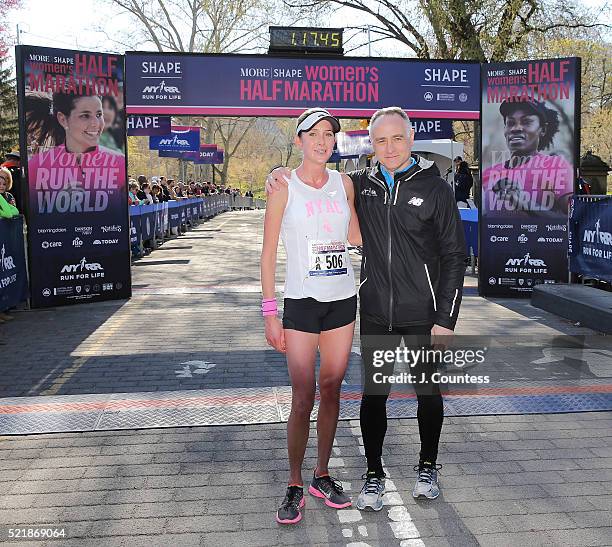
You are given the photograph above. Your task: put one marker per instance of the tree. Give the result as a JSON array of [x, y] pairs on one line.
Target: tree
[[205, 26], [482, 30], [5, 35], [9, 126], [231, 132]]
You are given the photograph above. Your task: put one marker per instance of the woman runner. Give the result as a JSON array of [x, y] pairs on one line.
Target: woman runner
[[315, 216]]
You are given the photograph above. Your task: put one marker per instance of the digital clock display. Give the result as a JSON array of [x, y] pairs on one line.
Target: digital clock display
[[306, 39]]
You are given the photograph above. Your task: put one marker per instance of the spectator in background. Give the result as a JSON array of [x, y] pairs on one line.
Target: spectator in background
[[164, 188], [158, 195], [6, 183], [463, 183], [144, 195], [12, 163], [132, 194]]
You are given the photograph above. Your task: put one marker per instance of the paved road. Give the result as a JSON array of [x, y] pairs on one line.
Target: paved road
[[538, 479]]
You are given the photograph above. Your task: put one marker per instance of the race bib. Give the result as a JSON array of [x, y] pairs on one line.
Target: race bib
[[327, 258]]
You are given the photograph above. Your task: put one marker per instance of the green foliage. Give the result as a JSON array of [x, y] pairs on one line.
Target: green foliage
[[9, 128]]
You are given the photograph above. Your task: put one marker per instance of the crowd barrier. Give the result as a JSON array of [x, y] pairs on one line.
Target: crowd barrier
[[155, 223], [13, 267], [469, 218], [590, 237], [242, 202]]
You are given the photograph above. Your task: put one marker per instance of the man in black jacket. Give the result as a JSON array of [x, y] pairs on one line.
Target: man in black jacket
[[411, 287]]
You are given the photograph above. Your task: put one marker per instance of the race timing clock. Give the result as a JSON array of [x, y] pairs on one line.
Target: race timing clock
[[306, 39]]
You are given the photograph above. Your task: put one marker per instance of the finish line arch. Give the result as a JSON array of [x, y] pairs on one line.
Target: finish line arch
[[274, 86]]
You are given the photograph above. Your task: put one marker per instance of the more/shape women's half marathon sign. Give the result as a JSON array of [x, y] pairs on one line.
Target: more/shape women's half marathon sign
[[261, 85]]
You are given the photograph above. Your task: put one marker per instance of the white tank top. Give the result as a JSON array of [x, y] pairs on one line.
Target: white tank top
[[314, 232]]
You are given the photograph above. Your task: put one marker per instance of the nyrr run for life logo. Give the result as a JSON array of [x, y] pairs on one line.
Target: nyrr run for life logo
[[6, 261], [597, 236]]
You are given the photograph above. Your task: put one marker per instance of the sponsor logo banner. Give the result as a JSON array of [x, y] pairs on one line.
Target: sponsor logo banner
[[166, 83], [590, 237], [76, 180], [13, 277], [180, 139], [148, 125], [529, 150]]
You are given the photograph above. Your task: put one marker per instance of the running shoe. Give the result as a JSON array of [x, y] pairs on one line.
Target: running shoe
[[427, 480], [290, 511], [371, 495], [330, 490]]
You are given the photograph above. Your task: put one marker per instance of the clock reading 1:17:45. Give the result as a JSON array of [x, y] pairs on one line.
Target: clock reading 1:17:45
[[322, 39]]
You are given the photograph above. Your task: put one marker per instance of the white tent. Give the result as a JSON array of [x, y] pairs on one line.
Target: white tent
[[442, 152]]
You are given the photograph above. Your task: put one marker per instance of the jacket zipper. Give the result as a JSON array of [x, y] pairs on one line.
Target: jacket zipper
[[389, 203], [389, 266]]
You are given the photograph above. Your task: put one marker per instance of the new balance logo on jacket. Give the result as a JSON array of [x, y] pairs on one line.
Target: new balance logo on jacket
[[415, 201]]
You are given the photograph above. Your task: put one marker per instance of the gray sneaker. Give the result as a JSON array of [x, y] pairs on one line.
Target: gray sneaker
[[371, 495], [427, 481]]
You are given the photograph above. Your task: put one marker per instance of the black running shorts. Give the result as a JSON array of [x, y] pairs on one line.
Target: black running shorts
[[310, 315]]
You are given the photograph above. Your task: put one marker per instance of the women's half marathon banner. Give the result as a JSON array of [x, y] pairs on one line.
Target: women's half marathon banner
[[262, 85], [72, 126], [530, 121]]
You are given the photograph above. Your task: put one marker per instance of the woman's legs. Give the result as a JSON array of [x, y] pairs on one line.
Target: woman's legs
[[301, 355], [335, 348]]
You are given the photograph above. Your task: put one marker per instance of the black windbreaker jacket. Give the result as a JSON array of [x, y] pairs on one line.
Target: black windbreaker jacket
[[413, 247]]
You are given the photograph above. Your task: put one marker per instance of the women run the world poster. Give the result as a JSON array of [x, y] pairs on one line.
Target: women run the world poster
[[72, 121]]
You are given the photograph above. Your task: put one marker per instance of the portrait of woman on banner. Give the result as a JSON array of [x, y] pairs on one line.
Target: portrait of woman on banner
[[527, 180], [68, 169]]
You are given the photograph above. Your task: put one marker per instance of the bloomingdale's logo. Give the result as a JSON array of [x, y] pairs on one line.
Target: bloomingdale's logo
[[6, 262], [82, 266], [597, 236]]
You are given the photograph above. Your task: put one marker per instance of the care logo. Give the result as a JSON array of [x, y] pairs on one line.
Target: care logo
[[82, 266], [50, 244], [6, 261], [496, 239]]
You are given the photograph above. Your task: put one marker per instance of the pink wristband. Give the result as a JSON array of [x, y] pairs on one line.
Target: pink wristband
[[269, 312]]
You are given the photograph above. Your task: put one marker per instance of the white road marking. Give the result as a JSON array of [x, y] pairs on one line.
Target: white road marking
[[194, 367]]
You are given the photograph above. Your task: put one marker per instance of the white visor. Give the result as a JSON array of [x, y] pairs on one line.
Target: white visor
[[313, 119]]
